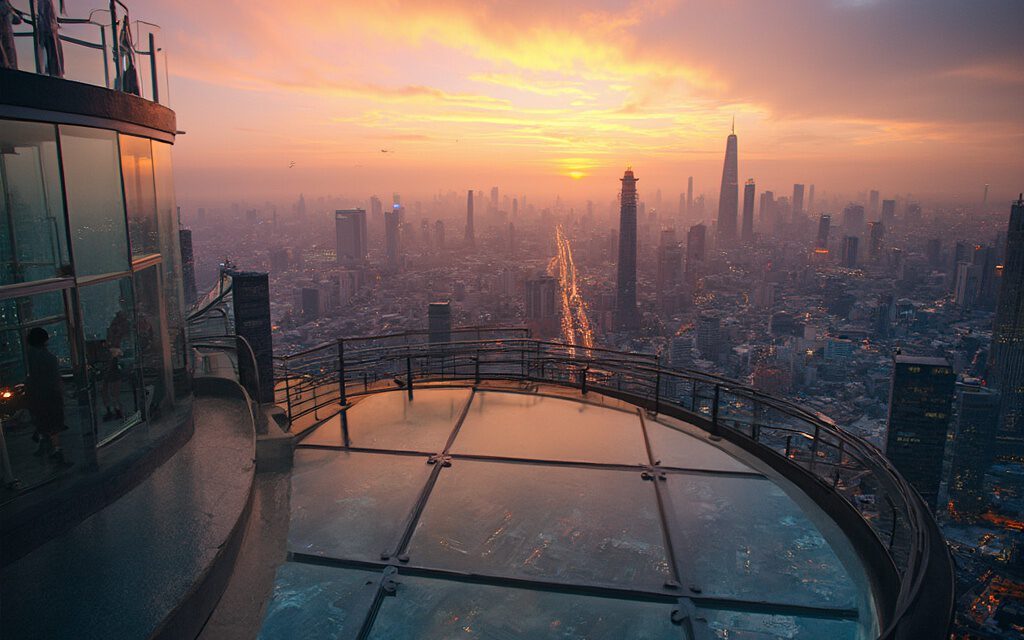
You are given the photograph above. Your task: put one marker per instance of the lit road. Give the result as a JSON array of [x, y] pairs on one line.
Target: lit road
[[576, 328]]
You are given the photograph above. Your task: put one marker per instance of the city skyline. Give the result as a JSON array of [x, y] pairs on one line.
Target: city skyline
[[560, 101]]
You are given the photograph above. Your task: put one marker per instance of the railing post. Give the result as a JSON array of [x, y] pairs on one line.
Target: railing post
[[657, 391], [714, 411], [342, 398], [115, 46], [106, 61], [344, 429], [408, 374], [583, 380], [288, 390], [152, 68], [476, 368]]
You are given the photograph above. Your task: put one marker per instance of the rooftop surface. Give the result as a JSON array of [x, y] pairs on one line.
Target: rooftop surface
[[513, 512]]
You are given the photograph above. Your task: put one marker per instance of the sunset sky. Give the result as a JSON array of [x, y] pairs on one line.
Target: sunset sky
[[909, 96]]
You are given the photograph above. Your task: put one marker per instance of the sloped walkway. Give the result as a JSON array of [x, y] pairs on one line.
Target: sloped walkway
[[144, 564]]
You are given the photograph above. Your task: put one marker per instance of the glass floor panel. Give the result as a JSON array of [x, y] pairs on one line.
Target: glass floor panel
[[530, 426], [429, 609], [742, 625], [563, 524], [391, 420], [746, 539], [675, 447], [351, 504], [310, 601]]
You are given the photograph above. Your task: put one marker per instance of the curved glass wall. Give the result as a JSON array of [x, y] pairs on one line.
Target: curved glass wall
[[89, 253]]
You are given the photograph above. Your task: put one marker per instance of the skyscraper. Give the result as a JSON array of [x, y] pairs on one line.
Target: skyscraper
[[696, 239], [810, 201], [850, 251], [977, 422], [749, 189], [392, 220], [853, 219], [873, 204], [824, 224], [708, 329], [542, 308], [1007, 354], [626, 316], [728, 198], [689, 196], [669, 267], [350, 236], [470, 235], [920, 404], [188, 266], [798, 201], [877, 236], [888, 213], [439, 322]]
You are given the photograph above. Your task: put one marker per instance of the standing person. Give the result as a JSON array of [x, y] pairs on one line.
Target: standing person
[[45, 395], [8, 18], [48, 32]]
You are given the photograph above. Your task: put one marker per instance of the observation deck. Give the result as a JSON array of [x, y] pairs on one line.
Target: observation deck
[[494, 485]]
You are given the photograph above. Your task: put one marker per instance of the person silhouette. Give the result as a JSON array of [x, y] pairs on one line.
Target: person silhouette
[[45, 396]]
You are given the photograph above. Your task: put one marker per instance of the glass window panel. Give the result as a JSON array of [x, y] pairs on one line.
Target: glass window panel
[[543, 522], [33, 239], [746, 538], [311, 601], [92, 178], [154, 350], [434, 609], [170, 251], [531, 426], [352, 505], [392, 421], [112, 354], [676, 444], [38, 389], [744, 625], [139, 195]]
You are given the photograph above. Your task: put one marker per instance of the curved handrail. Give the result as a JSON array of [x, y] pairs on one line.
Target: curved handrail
[[529, 359]]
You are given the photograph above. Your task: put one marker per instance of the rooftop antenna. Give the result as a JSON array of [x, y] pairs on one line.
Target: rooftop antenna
[[734, 124]]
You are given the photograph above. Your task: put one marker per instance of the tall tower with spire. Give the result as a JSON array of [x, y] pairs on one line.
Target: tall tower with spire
[[728, 199], [626, 316], [470, 236]]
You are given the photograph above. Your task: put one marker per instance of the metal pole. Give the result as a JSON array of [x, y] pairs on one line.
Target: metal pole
[[583, 380], [714, 411], [152, 68], [476, 368], [344, 428], [408, 374], [106, 62], [342, 399], [657, 391], [115, 46], [288, 391]]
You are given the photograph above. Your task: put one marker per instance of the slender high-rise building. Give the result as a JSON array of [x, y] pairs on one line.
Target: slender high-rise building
[[689, 196], [973, 452], [392, 222], [824, 224], [1006, 371], [798, 201], [696, 239], [749, 189], [439, 322], [626, 316], [668, 274], [920, 404], [810, 201], [470, 236], [188, 266], [728, 198], [888, 213]]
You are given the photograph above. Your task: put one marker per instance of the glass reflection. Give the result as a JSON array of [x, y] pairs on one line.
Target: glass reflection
[[139, 195], [33, 241]]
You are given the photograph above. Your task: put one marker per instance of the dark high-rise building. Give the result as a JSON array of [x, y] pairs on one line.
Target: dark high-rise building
[[439, 322], [350, 236], [876, 235], [542, 309], [188, 266], [873, 204], [439, 234], [311, 303], [850, 251], [853, 220], [810, 201], [973, 452], [749, 189], [669, 271], [728, 198], [920, 404], [392, 240], [824, 224], [708, 339], [470, 235], [888, 213], [696, 241], [626, 316], [1007, 353], [798, 200]]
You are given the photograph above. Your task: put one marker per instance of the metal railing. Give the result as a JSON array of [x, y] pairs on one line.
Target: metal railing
[[97, 50], [320, 380]]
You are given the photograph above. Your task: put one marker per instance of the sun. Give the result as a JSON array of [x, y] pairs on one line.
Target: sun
[[577, 175]]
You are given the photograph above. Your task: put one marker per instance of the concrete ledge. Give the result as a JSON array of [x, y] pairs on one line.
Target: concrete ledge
[[275, 448]]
